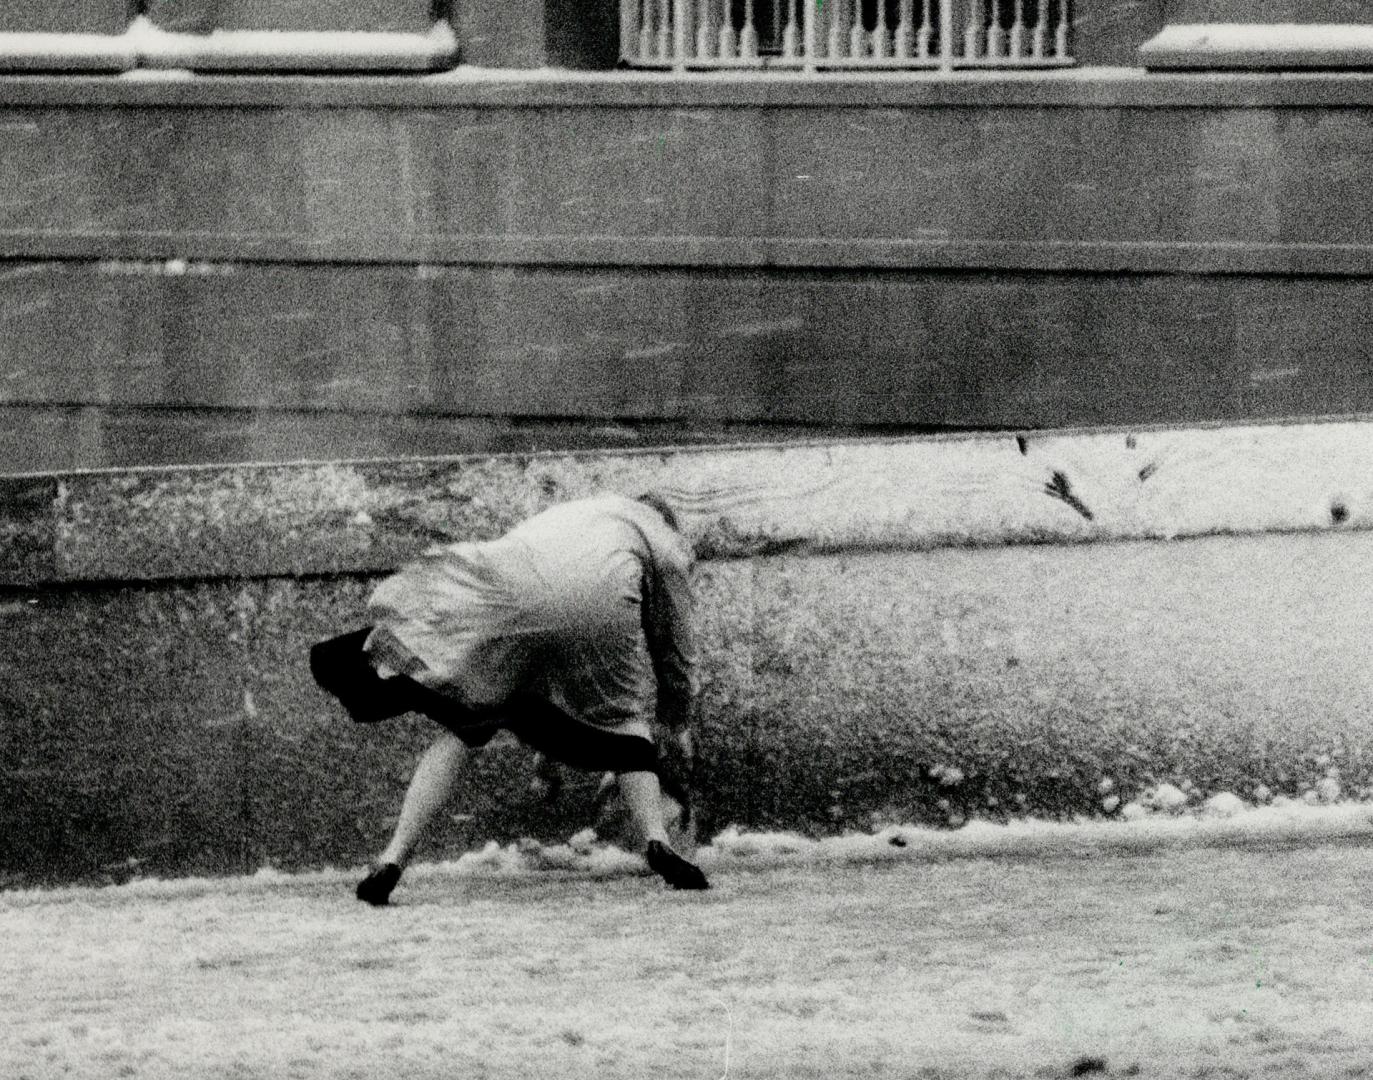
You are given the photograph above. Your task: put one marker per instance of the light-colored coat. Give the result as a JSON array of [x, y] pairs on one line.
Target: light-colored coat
[[587, 604]]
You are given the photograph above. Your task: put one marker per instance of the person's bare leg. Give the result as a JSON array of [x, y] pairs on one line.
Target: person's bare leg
[[431, 787], [644, 799]]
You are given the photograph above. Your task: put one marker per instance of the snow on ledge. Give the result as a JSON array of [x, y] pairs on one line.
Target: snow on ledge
[[1260, 45], [266, 50], [29, 51], [145, 44]]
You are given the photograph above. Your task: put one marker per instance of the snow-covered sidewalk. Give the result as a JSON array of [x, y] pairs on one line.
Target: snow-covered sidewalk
[[1236, 942]]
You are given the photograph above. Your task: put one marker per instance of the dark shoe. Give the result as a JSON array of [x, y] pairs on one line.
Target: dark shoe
[[376, 887], [674, 869]]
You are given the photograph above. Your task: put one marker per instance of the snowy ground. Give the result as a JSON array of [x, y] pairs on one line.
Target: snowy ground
[[1238, 943]]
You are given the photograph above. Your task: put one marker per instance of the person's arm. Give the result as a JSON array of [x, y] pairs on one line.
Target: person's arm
[[670, 627]]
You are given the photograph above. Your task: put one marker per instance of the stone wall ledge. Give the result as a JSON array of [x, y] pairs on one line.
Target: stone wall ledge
[[81, 52], [144, 46], [149, 252], [1263, 46], [1088, 87]]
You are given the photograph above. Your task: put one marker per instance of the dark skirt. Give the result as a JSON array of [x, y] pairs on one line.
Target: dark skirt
[[343, 668]]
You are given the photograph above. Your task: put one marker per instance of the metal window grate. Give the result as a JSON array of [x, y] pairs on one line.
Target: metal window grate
[[845, 34]]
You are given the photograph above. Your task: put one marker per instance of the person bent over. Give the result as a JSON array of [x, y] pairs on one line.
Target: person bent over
[[573, 631]]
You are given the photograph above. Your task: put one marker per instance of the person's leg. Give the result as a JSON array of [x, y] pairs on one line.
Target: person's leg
[[431, 787], [607, 669], [545, 728], [644, 799]]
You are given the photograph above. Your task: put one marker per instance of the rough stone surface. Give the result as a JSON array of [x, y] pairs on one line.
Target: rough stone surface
[[28, 529], [66, 17], [1096, 247]]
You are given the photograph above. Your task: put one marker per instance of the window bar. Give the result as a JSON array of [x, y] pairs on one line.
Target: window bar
[[729, 38], [1039, 38], [835, 46], [705, 32], [791, 36], [629, 29], [665, 31], [996, 34], [858, 37], [1061, 34], [881, 33], [646, 29], [1016, 41], [904, 37], [681, 33], [946, 34], [808, 14], [926, 31], [972, 34], [748, 38]]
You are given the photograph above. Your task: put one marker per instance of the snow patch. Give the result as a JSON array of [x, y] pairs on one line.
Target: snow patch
[[1166, 797], [1264, 37], [732, 843], [1134, 810], [283, 49], [144, 43], [1224, 804], [42, 51], [948, 775], [1224, 820]]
